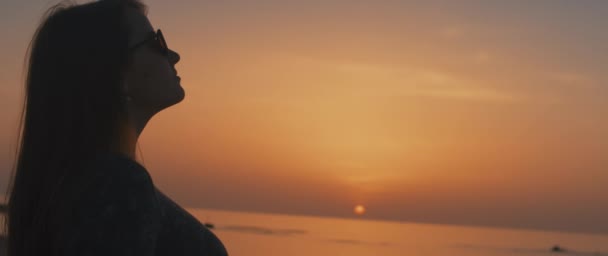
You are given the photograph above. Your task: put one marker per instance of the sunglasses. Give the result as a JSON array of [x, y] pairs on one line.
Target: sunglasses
[[159, 42]]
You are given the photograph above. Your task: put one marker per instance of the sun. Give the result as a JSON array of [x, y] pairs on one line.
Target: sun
[[359, 209]]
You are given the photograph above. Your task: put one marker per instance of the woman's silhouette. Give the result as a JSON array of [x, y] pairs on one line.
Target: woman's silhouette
[[97, 73]]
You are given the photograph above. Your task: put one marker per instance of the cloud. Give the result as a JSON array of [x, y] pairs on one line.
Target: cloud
[[431, 82], [452, 31], [263, 230], [571, 78], [482, 57], [467, 94], [358, 242]]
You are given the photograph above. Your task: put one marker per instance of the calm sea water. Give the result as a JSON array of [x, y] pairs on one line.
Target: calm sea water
[[255, 234]]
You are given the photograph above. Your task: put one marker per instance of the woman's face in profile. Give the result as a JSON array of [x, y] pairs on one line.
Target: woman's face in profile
[[151, 79]]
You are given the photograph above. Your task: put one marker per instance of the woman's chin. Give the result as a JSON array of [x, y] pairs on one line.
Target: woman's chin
[[172, 99], [181, 94]]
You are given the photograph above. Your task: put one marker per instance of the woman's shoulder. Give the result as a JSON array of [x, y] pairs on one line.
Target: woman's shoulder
[[116, 166], [116, 208], [111, 178]]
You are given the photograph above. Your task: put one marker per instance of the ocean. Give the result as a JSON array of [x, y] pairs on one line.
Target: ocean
[[255, 234]]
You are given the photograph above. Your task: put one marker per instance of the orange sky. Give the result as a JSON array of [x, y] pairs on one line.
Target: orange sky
[[483, 113]]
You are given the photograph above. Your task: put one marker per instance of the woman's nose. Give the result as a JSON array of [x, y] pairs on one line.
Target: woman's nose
[[173, 57]]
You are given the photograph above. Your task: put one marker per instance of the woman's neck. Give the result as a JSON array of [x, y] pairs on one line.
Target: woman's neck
[[133, 127], [129, 142]]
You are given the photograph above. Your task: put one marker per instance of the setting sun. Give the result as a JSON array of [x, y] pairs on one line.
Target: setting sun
[[359, 209]]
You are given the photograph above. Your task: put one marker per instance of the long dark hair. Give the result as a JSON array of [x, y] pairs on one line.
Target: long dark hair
[[73, 109]]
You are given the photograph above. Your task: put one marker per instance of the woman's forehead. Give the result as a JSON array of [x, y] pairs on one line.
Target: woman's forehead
[[138, 23]]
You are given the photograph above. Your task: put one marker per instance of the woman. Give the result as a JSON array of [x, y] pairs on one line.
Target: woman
[[97, 73]]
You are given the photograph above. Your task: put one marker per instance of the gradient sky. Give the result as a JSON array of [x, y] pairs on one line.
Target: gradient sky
[[463, 112]]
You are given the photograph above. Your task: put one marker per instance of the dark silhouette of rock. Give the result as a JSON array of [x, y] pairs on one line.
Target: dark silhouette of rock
[[557, 248]]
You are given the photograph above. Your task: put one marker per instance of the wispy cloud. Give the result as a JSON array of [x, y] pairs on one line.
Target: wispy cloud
[[430, 82], [453, 31], [482, 56], [468, 94], [571, 78]]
